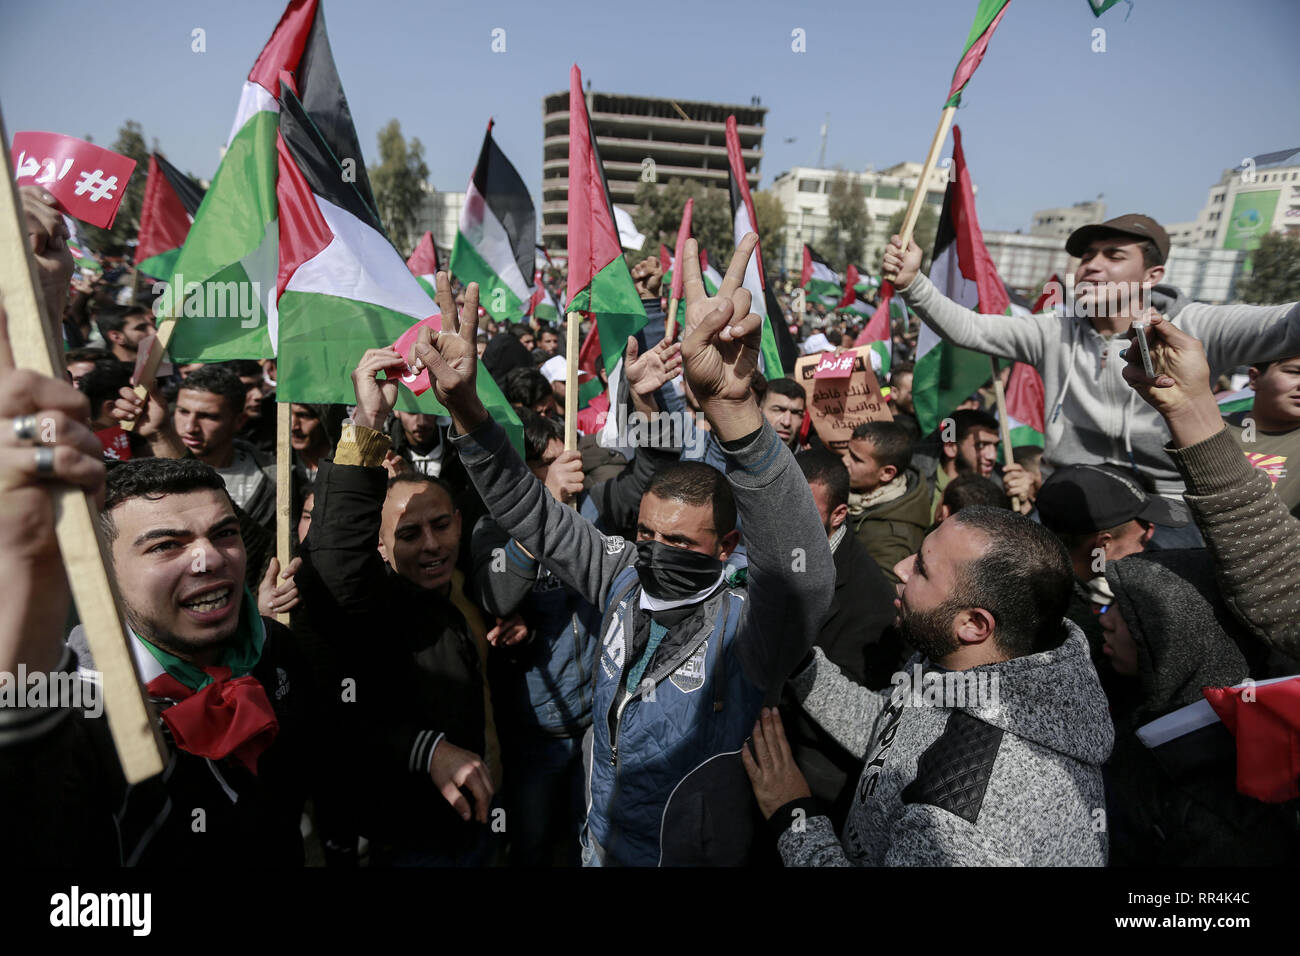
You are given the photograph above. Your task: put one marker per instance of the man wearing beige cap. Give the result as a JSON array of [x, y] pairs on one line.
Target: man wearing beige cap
[[1091, 417]]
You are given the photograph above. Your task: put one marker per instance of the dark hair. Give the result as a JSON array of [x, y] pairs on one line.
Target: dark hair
[[539, 432], [218, 380], [415, 478], [103, 382], [966, 420], [695, 483], [892, 443], [525, 387], [519, 330], [110, 319], [245, 368], [967, 490], [787, 387], [900, 368], [822, 466], [1024, 579], [85, 355], [834, 336], [155, 478]]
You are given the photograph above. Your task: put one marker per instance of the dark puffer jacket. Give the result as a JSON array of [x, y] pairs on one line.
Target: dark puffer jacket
[[1177, 804]]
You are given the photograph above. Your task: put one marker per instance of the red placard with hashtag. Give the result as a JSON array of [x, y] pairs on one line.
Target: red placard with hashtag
[[86, 181]]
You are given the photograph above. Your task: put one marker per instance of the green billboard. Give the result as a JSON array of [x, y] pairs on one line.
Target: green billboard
[[1252, 217]]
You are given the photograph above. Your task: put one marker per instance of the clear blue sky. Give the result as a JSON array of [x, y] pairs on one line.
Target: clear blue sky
[[1185, 88]]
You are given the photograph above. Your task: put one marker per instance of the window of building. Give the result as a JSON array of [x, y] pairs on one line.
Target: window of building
[[886, 192], [934, 198], [867, 190], [809, 186]]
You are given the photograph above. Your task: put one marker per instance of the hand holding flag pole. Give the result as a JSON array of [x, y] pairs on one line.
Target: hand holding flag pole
[[572, 323], [34, 344]]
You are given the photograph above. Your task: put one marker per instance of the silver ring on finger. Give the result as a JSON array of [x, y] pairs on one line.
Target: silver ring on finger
[[44, 461], [25, 429]]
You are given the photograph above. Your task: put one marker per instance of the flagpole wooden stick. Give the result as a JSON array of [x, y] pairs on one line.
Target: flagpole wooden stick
[[36, 345], [670, 328], [571, 382], [149, 371], [1004, 423], [931, 161], [283, 490]]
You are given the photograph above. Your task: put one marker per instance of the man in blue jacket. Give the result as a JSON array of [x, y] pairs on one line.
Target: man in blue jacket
[[686, 661]]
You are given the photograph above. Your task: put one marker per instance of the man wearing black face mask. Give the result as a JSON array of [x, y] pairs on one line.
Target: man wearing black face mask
[[686, 658]]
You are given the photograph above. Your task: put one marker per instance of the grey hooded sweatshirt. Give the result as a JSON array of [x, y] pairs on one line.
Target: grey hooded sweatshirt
[[1092, 415], [1010, 778]]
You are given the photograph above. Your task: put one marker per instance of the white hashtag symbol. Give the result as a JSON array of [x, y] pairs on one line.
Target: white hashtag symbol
[[95, 184]]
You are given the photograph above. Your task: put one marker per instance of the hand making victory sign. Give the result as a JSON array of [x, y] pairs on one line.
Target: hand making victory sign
[[451, 356], [720, 348]]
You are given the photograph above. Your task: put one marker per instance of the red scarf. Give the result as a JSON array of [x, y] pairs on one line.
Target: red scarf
[[226, 718]]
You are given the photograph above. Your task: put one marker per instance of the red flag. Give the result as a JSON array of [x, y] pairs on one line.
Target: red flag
[[1052, 295], [683, 233], [170, 201], [993, 298], [1025, 397], [877, 329], [851, 278], [86, 181], [1267, 729], [424, 260]]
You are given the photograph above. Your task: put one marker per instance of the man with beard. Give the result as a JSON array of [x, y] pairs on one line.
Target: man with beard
[[1000, 695], [686, 658]]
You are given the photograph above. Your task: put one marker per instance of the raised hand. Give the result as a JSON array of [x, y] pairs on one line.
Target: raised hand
[[721, 345], [376, 396], [1180, 389], [901, 267], [451, 356], [48, 234], [647, 373], [564, 476], [648, 276], [281, 598]]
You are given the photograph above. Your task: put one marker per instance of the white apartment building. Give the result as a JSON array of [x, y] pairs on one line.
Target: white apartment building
[[1060, 222], [440, 214], [804, 194], [1260, 196]]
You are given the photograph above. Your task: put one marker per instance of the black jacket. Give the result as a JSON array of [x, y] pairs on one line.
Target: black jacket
[[859, 638], [59, 775], [409, 667]]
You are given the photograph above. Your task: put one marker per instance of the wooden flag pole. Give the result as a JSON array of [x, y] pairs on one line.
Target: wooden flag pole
[[283, 490], [150, 369], [931, 161], [1004, 423], [670, 328], [571, 382], [36, 345]]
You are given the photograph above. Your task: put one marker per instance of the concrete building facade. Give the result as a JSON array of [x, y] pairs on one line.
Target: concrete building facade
[[643, 139], [1060, 222], [440, 214], [1260, 196], [804, 194]]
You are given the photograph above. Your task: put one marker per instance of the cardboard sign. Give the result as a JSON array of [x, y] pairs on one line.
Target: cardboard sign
[[142, 355], [86, 181], [839, 404], [417, 382], [835, 366]]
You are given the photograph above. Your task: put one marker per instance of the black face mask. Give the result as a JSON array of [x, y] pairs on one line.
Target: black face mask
[[671, 574]]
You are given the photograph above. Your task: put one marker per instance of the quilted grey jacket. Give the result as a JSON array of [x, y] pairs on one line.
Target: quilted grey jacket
[[1008, 773]]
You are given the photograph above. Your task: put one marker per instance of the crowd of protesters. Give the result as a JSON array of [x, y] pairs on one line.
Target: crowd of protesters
[[732, 645]]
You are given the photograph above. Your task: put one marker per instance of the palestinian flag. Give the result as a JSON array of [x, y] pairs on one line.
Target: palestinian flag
[[818, 279], [542, 306], [1025, 398], [424, 264], [84, 259], [495, 242], [962, 270], [879, 332], [1099, 7], [170, 201], [1242, 400], [710, 273], [599, 283], [744, 221], [987, 17], [850, 284], [232, 248], [342, 288], [866, 283]]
